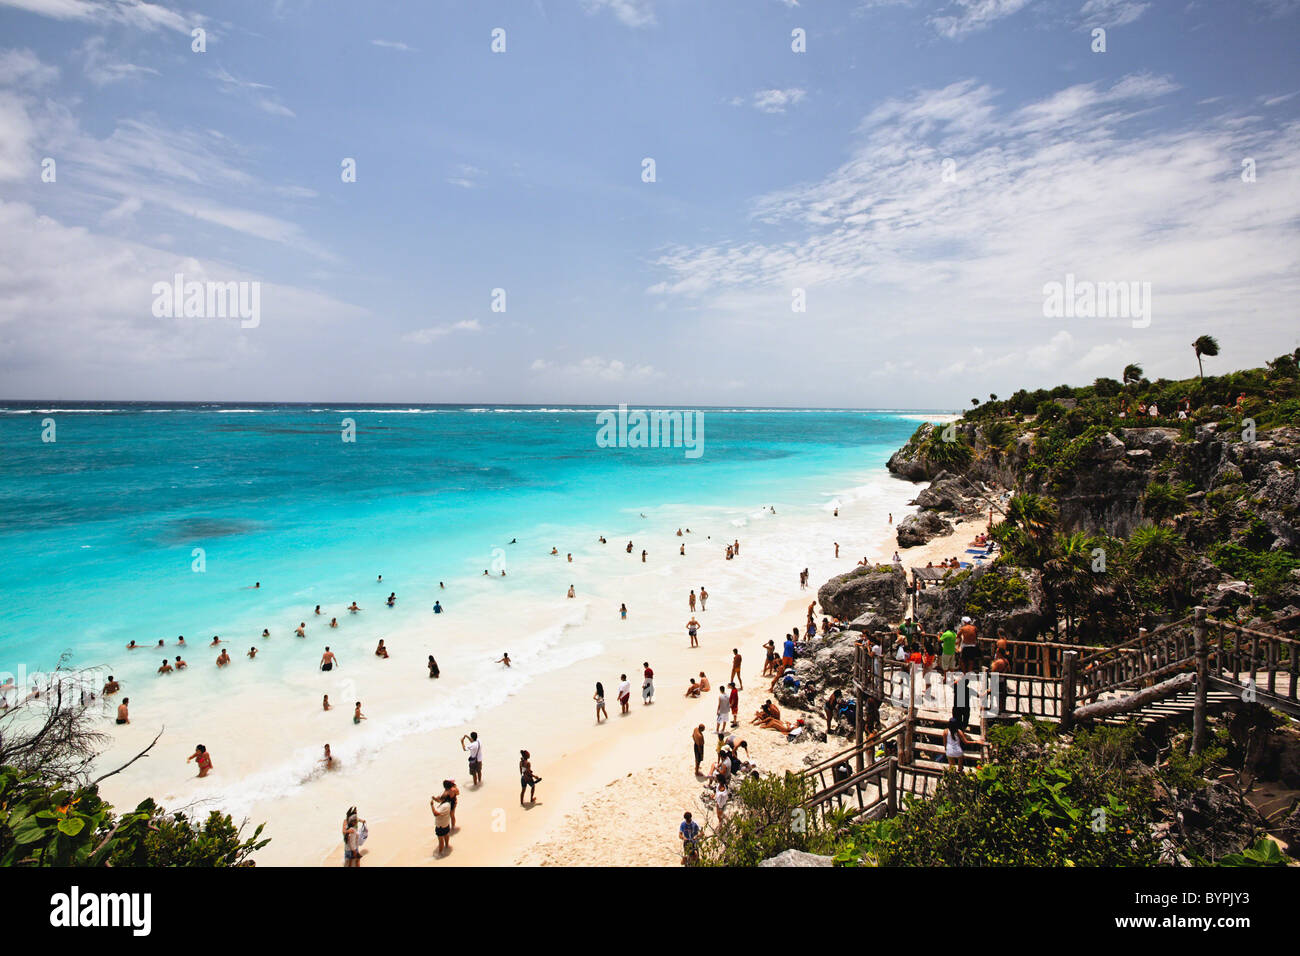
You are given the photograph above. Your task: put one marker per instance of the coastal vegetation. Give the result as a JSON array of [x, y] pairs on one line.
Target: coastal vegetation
[[1114, 506], [51, 813]]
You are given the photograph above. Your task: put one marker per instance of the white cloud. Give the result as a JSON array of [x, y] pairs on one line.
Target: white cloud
[[24, 68], [1080, 181], [435, 332], [394, 45], [136, 13], [970, 16], [261, 95], [632, 13], [1112, 13], [102, 68], [595, 369], [776, 101]]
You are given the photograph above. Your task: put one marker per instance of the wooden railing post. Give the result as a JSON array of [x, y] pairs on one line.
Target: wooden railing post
[[860, 703], [1069, 674], [891, 798], [1201, 633], [909, 731]]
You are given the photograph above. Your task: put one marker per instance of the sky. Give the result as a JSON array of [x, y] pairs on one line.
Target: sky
[[853, 204]]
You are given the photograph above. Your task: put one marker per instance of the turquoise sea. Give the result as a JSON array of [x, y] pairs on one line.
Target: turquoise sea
[[99, 527]]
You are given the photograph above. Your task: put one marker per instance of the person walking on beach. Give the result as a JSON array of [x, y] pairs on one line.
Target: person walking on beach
[[201, 755], [329, 659], [599, 698], [704, 599], [735, 668], [624, 692], [475, 751], [724, 707], [691, 601], [837, 549], [733, 701], [689, 833], [697, 743], [433, 667], [527, 779], [648, 684]]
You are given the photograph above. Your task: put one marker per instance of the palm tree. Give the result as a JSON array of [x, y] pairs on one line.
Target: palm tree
[[1155, 548], [1133, 374], [974, 402], [1033, 516], [1205, 345], [994, 398], [1068, 576]]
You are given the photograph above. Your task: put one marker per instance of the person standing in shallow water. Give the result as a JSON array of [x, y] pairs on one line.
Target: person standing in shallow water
[[201, 755], [599, 698]]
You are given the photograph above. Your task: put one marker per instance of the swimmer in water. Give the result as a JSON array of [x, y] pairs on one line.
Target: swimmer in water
[[505, 659], [252, 653], [180, 663], [224, 659], [166, 667], [301, 629], [572, 593], [265, 632], [201, 755], [357, 716], [353, 607], [334, 622], [215, 641], [437, 607], [328, 759], [318, 609], [325, 703], [180, 640], [392, 599], [329, 659], [132, 646], [161, 642]]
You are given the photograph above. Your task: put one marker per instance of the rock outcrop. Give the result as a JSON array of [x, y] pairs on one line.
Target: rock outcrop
[[881, 589], [798, 858], [921, 527]]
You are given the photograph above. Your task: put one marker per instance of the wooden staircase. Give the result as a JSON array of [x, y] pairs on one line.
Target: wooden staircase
[[1136, 681]]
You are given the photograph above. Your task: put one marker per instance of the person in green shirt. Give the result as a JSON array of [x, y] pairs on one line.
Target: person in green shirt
[[948, 659]]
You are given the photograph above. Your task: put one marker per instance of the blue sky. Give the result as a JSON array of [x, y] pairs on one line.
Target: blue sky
[[521, 170]]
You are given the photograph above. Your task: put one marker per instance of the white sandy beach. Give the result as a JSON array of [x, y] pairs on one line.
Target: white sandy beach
[[610, 794]]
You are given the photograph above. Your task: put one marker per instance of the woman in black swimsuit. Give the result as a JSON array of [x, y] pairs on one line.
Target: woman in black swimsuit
[[527, 779]]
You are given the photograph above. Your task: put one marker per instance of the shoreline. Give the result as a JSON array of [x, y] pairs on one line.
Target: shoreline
[[623, 784]]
